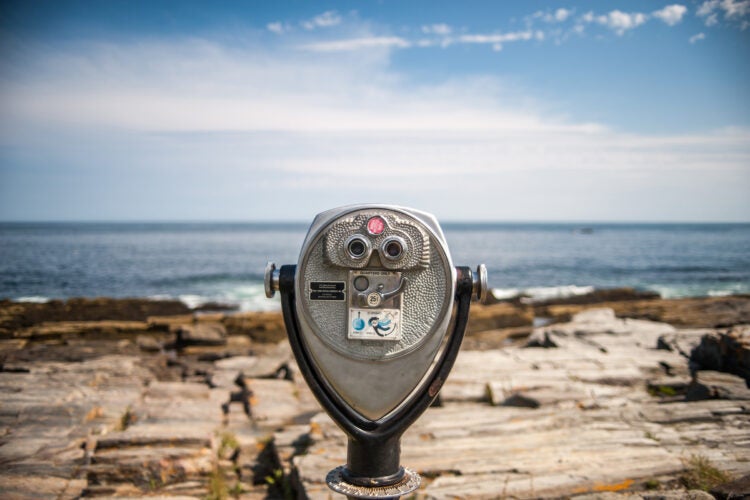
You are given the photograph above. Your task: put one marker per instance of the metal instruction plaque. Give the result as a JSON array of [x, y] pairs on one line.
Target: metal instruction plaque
[[372, 317]]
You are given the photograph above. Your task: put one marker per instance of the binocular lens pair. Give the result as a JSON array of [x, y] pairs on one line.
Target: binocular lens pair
[[359, 248]]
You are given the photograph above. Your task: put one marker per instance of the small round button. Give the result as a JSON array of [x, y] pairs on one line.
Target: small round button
[[373, 299], [361, 283], [376, 225]]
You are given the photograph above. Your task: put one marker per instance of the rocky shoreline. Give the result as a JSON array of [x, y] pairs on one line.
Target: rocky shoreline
[[617, 395]]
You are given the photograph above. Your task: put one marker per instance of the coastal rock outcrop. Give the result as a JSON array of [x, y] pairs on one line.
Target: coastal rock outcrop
[[16, 316], [614, 408], [708, 312]]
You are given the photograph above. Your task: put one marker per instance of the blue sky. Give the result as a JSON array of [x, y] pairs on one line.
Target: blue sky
[[594, 110]]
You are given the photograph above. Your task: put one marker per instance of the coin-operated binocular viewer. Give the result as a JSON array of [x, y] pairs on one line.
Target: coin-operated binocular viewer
[[366, 309]]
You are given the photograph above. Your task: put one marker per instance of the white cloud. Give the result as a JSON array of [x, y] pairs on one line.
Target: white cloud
[[698, 37], [618, 21], [324, 20], [276, 27], [671, 14], [437, 29], [735, 11], [350, 44]]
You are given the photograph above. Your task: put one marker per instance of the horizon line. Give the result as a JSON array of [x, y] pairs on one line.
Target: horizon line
[[308, 221]]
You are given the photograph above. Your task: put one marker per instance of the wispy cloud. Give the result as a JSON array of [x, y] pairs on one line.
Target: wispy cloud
[[276, 27], [351, 44], [498, 39], [734, 12], [324, 20], [437, 29], [327, 19], [558, 16], [616, 20], [698, 37]]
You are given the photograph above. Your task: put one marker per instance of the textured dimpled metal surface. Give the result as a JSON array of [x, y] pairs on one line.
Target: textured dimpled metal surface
[[426, 295]]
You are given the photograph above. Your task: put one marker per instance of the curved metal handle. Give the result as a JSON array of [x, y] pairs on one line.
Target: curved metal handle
[[374, 298]]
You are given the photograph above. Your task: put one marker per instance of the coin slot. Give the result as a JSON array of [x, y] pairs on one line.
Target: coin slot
[[361, 283]]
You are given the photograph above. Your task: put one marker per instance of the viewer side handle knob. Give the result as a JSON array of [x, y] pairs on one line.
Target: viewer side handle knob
[[271, 279]]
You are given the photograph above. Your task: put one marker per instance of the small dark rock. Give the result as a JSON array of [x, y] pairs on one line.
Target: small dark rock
[[666, 367], [210, 357], [739, 488], [215, 307], [540, 338], [699, 392], [725, 352], [662, 344], [521, 401]]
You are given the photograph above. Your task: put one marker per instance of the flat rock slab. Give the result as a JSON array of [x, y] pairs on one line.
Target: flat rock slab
[[72, 329], [273, 402], [252, 366], [177, 389], [159, 434], [202, 334], [21, 487]]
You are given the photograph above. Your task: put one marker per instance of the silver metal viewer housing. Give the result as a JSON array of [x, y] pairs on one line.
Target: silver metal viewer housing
[[367, 310]]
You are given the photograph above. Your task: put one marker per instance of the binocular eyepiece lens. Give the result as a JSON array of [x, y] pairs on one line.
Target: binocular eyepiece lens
[[393, 248], [357, 247]]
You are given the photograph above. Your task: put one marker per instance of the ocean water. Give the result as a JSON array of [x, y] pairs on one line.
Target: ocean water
[[224, 262]]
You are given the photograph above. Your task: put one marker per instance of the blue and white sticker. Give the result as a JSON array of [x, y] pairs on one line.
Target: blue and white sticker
[[369, 324]]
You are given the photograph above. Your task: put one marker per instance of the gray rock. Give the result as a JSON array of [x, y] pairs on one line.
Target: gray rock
[[202, 334], [683, 341]]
